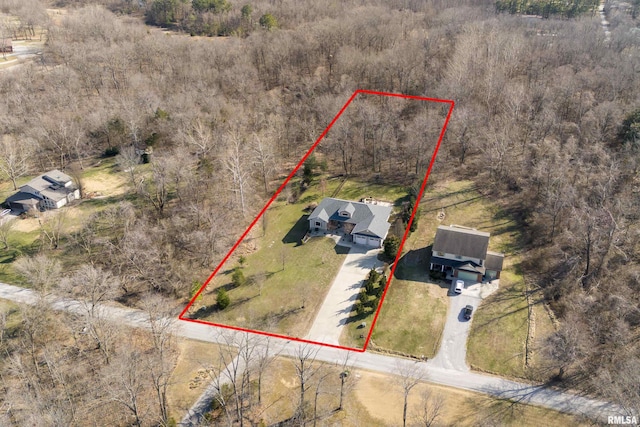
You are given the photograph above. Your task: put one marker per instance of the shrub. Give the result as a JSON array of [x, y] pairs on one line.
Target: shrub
[[360, 308], [414, 223], [268, 21], [222, 299], [630, 129], [373, 276], [111, 151], [382, 284], [369, 287], [237, 278], [195, 287], [391, 246]]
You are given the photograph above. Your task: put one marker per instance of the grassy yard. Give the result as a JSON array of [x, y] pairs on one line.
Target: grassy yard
[[282, 274], [281, 393], [190, 376], [13, 319], [102, 181], [355, 190], [499, 329], [382, 398], [286, 281], [423, 306]]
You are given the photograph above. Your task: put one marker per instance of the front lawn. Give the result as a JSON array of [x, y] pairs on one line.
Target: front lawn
[[286, 281], [499, 329], [413, 313]]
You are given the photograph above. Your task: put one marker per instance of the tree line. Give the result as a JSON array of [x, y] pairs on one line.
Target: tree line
[[543, 123]]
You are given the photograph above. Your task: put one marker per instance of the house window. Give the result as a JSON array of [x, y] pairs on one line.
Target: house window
[[317, 224]]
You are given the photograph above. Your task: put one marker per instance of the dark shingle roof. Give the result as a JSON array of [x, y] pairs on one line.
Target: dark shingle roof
[[22, 198], [494, 261], [459, 265], [461, 241]]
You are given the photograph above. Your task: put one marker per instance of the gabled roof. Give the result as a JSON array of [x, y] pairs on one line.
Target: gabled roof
[[372, 227], [323, 215], [349, 208], [367, 219], [494, 261], [461, 241]]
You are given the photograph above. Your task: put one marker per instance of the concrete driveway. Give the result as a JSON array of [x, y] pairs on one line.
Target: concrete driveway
[[453, 345], [334, 312]]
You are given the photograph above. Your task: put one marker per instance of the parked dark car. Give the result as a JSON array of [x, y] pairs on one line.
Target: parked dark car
[[467, 312]]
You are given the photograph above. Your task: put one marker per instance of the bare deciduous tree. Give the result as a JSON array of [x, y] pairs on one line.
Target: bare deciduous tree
[[238, 171], [409, 376], [6, 225], [14, 158], [432, 406], [40, 271], [306, 366]]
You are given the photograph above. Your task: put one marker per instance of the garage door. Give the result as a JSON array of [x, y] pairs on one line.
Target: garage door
[[465, 275], [361, 240], [373, 242]]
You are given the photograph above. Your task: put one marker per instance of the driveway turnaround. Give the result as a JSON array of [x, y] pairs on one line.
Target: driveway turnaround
[[453, 345], [334, 312]]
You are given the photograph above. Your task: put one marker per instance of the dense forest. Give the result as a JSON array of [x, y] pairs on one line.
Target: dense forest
[[547, 120]]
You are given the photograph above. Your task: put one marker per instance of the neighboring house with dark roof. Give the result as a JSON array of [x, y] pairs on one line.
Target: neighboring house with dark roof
[[463, 253], [365, 223], [51, 190]]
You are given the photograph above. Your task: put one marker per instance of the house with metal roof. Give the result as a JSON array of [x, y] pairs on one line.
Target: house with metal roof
[[51, 190], [363, 223], [462, 253]]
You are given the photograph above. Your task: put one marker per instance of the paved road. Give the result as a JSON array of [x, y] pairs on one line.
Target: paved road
[[21, 52], [486, 384], [452, 353], [334, 312]]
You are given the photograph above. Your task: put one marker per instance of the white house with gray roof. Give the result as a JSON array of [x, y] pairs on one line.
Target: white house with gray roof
[[365, 223], [462, 252], [51, 190]]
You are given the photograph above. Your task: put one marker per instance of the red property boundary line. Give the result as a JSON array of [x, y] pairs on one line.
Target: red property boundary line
[[282, 186]]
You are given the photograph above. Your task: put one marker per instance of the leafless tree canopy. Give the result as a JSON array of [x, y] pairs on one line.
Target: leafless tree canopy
[[544, 124]]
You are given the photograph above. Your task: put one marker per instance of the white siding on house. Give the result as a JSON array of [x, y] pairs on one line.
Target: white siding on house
[[373, 242], [360, 240], [317, 223]]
